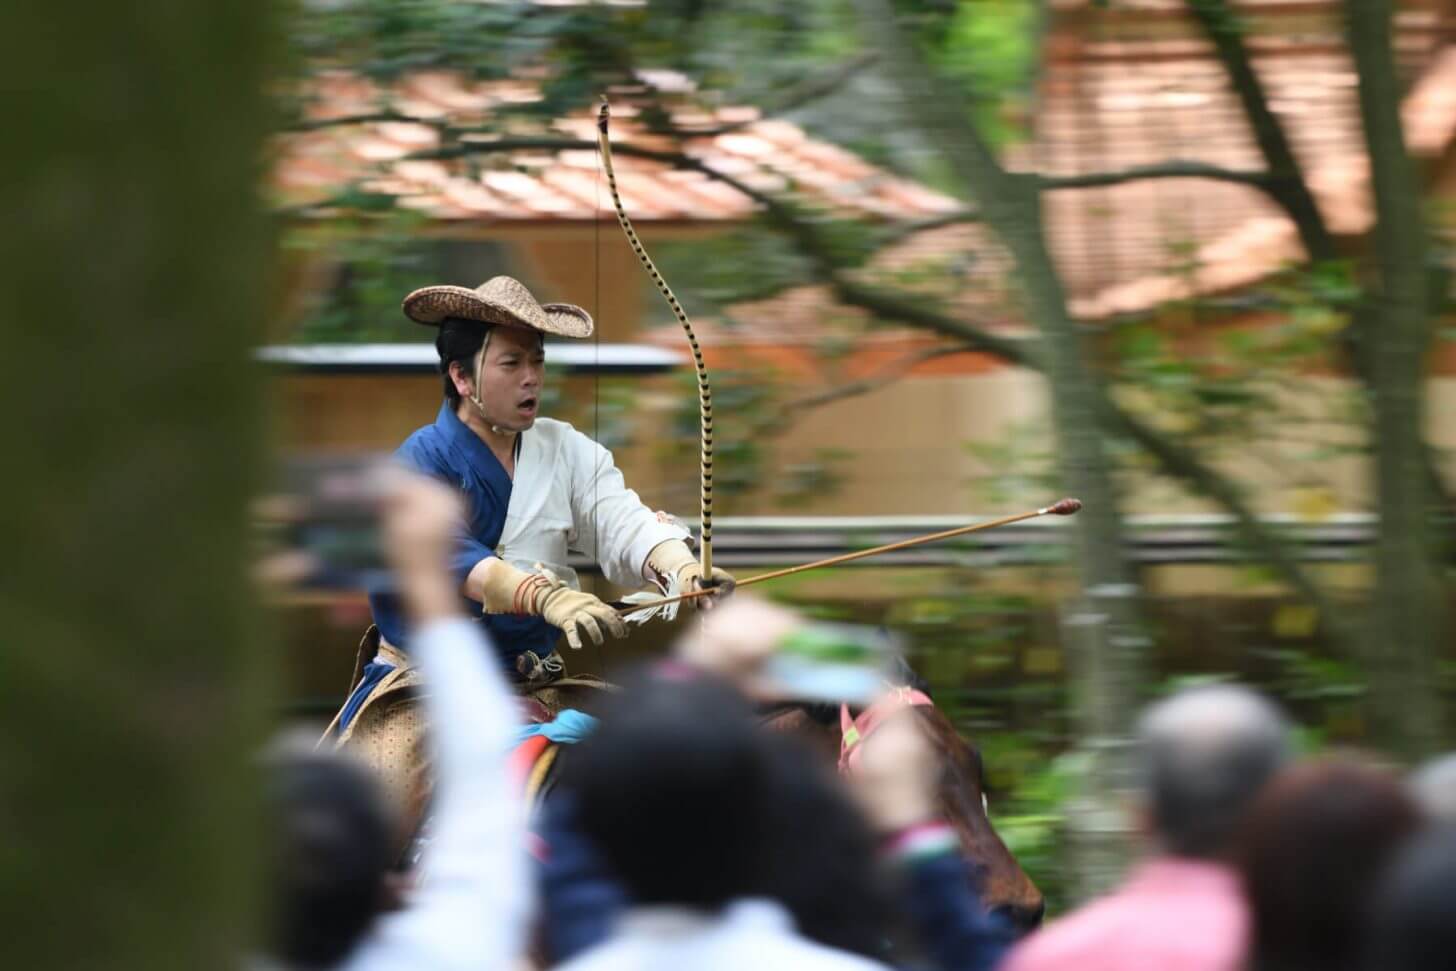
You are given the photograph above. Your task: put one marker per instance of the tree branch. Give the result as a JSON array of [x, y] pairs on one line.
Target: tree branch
[[902, 231], [320, 124], [1287, 185], [1175, 169], [795, 97], [885, 376], [1182, 464]]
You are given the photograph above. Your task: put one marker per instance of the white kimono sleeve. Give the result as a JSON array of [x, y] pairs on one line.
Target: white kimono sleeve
[[611, 523]]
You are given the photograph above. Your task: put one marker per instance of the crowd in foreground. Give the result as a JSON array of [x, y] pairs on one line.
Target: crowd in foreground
[[682, 835]]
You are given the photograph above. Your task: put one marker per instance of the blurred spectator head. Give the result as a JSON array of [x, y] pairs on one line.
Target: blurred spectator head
[[331, 848], [1205, 753], [671, 789], [1313, 846], [1434, 787], [817, 843], [1414, 921]]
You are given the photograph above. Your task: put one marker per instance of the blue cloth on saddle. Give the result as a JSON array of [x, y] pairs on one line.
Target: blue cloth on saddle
[[449, 451], [567, 728], [374, 673]]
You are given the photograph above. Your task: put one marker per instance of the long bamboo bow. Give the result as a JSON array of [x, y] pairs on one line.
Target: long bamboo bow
[[705, 393]]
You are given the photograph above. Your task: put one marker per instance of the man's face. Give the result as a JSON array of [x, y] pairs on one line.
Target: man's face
[[511, 378]]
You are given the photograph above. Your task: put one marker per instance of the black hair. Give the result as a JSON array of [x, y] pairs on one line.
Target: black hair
[[670, 790], [819, 855], [691, 802], [1311, 851], [458, 340], [1414, 920], [331, 849]]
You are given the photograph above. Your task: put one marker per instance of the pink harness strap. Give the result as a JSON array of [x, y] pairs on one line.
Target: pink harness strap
[[853, 731]]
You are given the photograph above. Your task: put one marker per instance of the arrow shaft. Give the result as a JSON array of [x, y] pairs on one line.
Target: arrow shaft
[[863, 554]]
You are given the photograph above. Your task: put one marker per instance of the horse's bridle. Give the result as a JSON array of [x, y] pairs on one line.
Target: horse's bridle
[[853, 731]]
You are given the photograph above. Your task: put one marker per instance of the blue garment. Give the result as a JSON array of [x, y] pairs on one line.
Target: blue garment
[[374, 673], [567, 728], [580, 896], [449, 451], [955, 930]]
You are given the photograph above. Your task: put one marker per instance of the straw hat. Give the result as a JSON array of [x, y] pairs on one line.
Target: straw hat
[[500, 300]]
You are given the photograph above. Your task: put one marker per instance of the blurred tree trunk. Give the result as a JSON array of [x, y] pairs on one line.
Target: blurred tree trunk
[[1106, 636], [1408, 617], [134, 256]]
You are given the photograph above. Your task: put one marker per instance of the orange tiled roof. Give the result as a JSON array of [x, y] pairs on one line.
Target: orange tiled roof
[[1111, 103], [1115, 104], [525, 185]]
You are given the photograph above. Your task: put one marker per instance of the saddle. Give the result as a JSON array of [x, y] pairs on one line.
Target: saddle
[[388, 732]]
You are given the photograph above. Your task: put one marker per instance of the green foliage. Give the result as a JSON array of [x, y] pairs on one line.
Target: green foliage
[[1018, 464], [990, 48], [1203, 372], [370, 266]]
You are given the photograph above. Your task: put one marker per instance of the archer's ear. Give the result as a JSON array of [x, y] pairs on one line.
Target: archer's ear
[[461, 379]]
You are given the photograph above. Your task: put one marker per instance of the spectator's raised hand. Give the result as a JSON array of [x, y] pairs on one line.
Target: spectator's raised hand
[[896, 774], [736, 640], [420, 518]]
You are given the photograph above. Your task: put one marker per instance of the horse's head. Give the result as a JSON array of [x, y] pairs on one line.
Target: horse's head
[[1004, 887]]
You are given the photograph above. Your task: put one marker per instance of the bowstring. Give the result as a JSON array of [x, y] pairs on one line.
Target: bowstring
[[597, 386]]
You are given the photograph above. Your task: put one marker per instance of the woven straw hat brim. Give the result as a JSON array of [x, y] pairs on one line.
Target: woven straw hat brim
[[500, 301]]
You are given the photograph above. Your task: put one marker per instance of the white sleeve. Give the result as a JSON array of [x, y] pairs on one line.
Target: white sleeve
[[472, 908], [611, 523]]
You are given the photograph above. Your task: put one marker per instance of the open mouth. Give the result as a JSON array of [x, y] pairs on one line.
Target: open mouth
[[527, 405]]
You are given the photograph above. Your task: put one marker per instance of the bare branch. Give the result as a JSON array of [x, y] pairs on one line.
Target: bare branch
[[905, 230], [1182, 464], [1176, 169], [1288, 187], [319, 124], [885, 376], [795, 97]]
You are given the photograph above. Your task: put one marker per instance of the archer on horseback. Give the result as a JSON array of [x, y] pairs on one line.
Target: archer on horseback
[[535, 490]]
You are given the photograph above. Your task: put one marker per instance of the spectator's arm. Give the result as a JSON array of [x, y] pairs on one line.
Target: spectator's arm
[[579, 898], [955, 930], [472, 907]]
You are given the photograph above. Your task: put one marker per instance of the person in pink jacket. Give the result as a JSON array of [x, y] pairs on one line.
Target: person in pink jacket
[[1205, 753]]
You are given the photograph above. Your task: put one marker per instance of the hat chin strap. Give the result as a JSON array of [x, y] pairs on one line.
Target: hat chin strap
[[479, 378]]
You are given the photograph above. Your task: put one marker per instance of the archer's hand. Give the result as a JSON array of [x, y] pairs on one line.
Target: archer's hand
[[508, 590], [673, 559], [576, 612], [721, 583]]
